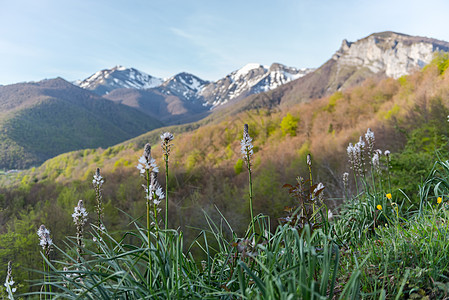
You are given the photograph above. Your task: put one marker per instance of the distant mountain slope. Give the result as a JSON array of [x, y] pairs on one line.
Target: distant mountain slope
[[161, 104], [184, 85], [43, 119], [186, 98], [384, 54], [251, 79], [207, 154], [188, 88], [119, 77]]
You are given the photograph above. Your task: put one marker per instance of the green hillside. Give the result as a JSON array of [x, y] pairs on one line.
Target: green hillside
[[42, 120], [408, 117]]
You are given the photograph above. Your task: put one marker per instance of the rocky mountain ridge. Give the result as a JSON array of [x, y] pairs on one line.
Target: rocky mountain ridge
[[104, 81], [185, 98], [379, 55], [184, 85], [250, 79], [389, 52]]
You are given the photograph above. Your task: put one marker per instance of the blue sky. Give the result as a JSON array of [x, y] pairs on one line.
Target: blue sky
[[208, 38]]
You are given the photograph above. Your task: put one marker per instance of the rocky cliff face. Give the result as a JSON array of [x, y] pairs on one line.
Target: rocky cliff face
[[383, 54], [387, 52]]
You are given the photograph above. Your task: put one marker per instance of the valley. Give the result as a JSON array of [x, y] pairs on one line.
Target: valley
[[392, 83]]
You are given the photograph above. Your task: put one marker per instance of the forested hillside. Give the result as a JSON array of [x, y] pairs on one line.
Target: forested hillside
[[407, 115], [43, 119]]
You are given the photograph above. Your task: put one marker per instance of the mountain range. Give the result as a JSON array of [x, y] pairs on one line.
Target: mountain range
[[42, 119], [186, 97]]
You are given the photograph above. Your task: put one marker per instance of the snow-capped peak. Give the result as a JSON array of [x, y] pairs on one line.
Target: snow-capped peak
[[185, 85], [246, 69], [104, 81], [119, 68], [250, 79]]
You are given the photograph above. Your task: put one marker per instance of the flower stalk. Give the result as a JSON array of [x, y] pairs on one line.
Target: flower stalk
[[46, 243], [79, 218], [9, 282], [153, 194], [166, 138], [98, 182], [247, 151], [309, 165]]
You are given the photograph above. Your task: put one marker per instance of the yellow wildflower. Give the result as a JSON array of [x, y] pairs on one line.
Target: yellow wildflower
[[389, 196], [439, 200], [379, 207]]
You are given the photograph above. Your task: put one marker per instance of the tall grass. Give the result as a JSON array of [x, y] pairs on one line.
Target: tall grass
[[375, 249], [286, 264]]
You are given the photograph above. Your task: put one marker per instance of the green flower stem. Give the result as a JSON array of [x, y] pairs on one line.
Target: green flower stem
[[148, 207], [97, 195], [311, 184], [166, 191], [45, 278], [156, 226], [388, 172], [49, 278], [356, 184], [251, 200], [148, 226]]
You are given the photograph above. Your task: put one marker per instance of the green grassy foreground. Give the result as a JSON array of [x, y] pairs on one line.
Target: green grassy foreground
[[378, 246], [224, 234]]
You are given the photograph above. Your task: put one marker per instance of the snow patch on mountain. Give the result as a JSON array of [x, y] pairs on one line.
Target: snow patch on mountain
[[184, 85], [250, 79], [245, 70], [106, 80]]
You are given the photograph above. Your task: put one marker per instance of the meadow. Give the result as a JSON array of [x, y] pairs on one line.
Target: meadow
[[375, 246], [252, 231]]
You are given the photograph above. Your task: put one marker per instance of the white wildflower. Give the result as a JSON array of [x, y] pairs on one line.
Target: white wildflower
[[369, 136], [387, 153], [155, 195], [98, 179], [360, 144], [246, 146], [167, 137], [359, 160], [79, 218], [330, 215], [345, 179], [309, 160], [318, 188], [146, 162], [9, 282], [376, 162], [351, 155], [80, 214], [45, 240]]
